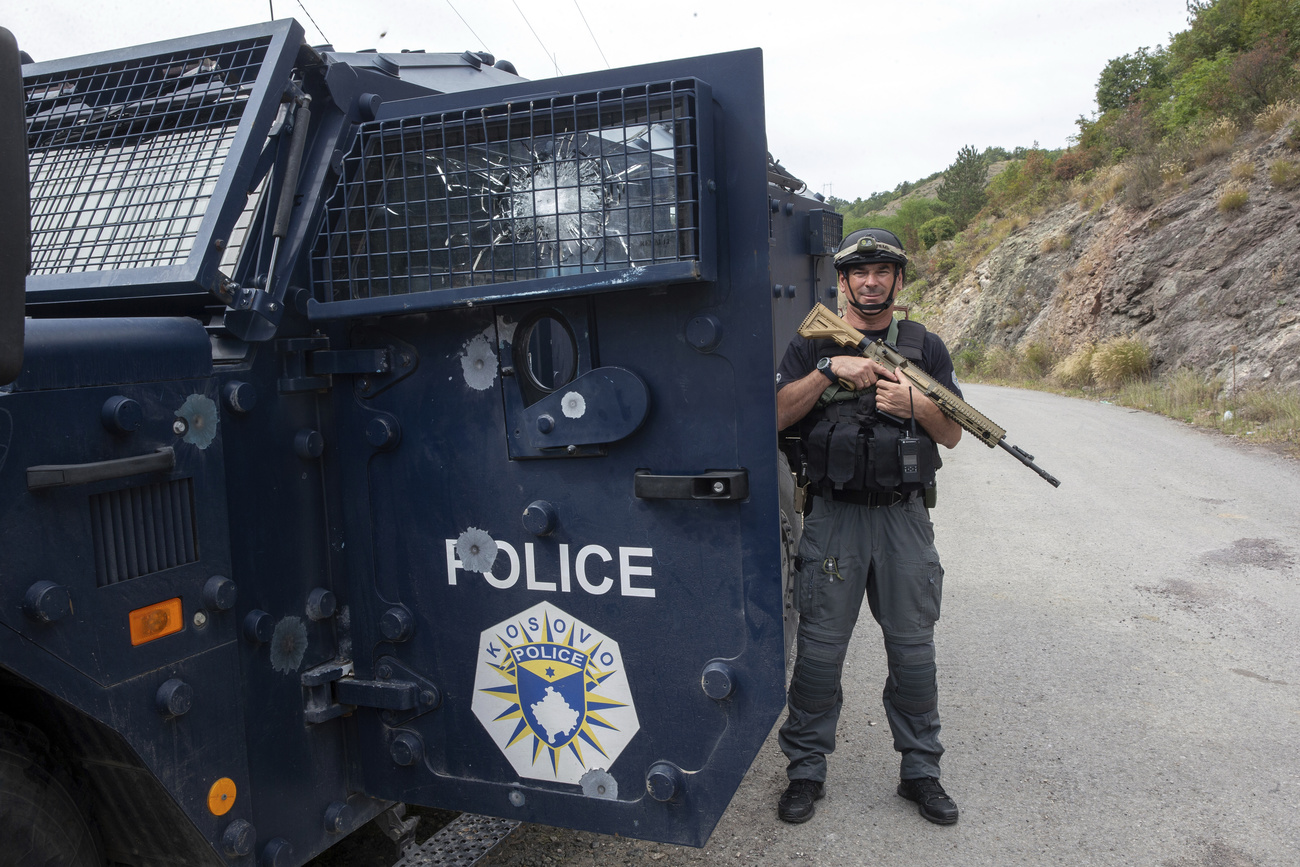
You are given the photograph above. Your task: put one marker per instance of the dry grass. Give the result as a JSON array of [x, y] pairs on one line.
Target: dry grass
[[1037, 360], [1101, 188], [1264, 414], [1172, 171], [1275, 116], [1120, 360], [1219, 139], [1182, 395], [1233, 197], [1075, 370], [1059, 241], [1284, 173], [1243, 170]]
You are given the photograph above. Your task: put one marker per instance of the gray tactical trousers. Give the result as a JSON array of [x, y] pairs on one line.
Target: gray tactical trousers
[[888, 555]]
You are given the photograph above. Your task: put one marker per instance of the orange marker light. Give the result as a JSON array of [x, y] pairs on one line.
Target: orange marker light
[[155, 621], [221, 797]]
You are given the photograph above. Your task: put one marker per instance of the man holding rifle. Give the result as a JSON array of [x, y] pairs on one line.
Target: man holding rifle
[[869, 456]]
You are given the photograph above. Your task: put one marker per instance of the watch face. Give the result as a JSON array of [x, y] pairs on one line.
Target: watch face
[[823, 364]]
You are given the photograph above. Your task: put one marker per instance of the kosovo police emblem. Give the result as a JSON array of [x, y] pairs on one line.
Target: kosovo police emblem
[[552, 693]]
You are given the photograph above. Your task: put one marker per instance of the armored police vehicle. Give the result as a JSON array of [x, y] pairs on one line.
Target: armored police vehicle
[[385, 429]]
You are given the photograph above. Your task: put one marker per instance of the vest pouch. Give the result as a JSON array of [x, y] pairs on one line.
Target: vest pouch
[[844, 456], [885, 472], [929, 461], [818, 441]]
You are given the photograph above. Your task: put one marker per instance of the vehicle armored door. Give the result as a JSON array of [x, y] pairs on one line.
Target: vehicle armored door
[[558, 492]]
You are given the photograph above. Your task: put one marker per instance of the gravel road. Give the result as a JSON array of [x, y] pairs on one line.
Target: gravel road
[[1119, 669]]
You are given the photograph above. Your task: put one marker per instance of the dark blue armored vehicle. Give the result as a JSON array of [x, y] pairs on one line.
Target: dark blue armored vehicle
[[385, 429]]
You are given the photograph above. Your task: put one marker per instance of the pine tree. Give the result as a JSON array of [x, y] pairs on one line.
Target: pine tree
[[963, 186]]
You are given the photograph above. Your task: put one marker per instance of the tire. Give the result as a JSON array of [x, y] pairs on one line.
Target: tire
[[41, 822]]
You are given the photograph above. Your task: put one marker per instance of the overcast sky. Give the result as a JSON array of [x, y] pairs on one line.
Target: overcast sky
[[860, 95]]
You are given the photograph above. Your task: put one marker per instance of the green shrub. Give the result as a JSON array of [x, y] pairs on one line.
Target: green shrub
[[1200, 91], [940, 228], [1036, 360], [942, 262], [969, 359], [906, 222], [1024, 184], [1000, 363], [1120, 360], [1284, 174]]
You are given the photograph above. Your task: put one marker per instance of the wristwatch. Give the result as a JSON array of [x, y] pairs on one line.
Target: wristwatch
[[824, 365]]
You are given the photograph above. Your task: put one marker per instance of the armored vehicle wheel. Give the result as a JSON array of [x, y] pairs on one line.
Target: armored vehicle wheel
[[41, 822]]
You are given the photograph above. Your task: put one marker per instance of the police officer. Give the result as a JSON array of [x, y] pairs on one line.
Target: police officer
[[869, 449]]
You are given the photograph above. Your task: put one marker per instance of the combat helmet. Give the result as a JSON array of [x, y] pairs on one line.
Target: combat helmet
[[869, 245]]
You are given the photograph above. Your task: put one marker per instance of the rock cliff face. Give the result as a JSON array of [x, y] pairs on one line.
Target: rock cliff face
[[1188, 279]]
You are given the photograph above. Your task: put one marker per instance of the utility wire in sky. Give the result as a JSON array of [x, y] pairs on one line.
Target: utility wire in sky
[[538, 38], [309, 18], [593, 34], [471, 29]]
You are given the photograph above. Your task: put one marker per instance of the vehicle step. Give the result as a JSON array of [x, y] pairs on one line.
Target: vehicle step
[[460, 843]]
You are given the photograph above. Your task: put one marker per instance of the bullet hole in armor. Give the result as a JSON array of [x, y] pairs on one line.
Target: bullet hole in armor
[[288, 644], [476, 550]]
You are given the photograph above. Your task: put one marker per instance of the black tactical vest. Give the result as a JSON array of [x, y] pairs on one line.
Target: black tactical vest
[[850, 446]]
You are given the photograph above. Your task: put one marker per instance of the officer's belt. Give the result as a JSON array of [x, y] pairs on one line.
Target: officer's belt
[[872, 499]]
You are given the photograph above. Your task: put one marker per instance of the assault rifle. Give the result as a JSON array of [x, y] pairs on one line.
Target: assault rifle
[[822, 323]]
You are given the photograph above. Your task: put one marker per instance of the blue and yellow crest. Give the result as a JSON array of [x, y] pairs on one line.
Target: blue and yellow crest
[[552, 693]]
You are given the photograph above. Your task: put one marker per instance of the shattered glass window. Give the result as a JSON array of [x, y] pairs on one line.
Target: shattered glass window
[[546, 188], [125, 157]]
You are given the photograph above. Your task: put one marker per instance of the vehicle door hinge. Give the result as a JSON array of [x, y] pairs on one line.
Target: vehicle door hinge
[[331, 690], [308, 364]]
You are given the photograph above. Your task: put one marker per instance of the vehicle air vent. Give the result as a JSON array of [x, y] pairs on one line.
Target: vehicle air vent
[[142, 530]]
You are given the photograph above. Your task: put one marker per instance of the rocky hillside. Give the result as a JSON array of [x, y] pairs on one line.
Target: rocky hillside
[[1185, 276]]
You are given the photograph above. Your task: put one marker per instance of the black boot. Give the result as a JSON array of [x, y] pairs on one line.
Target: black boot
[[796, 804], [933, 800]]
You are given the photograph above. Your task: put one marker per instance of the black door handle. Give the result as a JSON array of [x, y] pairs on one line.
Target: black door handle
[[60, 475], [712, 485]]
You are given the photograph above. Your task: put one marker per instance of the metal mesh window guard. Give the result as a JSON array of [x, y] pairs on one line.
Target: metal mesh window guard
[[124, 157], [551, 187]]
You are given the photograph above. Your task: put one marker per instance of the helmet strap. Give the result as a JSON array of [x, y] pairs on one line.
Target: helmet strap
[[872, 309]]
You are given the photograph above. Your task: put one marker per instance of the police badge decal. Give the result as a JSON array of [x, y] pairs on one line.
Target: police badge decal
[[552, 693]]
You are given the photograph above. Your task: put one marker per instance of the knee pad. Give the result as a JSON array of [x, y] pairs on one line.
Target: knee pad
[[912, 686], [815, 684]]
